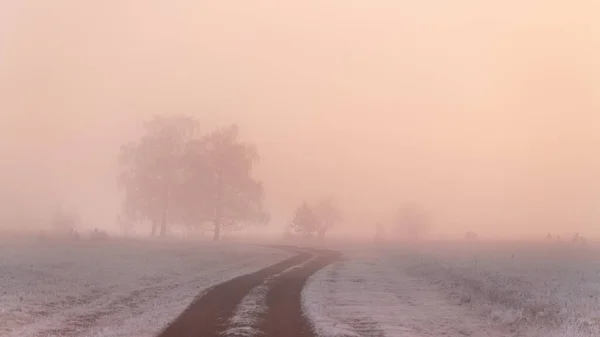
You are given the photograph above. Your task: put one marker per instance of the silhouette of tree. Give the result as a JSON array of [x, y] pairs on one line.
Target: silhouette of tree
[[151, 169], [172, 175], [305, 221], [578, 239], [219, 182], [328, 214]]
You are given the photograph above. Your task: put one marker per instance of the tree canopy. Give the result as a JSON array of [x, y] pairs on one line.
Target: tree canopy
[[305, 221], [317, 220], [173, 174]]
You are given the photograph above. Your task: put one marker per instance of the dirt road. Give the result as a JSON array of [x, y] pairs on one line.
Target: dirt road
[[212, 313]]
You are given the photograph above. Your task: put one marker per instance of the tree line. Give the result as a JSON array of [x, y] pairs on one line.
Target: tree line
[[308, 221], [176, 175]]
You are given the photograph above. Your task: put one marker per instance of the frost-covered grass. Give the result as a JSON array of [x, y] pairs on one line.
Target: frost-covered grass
[[113, 288], [369, 293], [460, 288], [553, 287]]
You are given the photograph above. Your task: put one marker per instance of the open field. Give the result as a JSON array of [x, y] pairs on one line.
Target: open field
[[459, 289], [114, 288], [140, 289], [553, 288]]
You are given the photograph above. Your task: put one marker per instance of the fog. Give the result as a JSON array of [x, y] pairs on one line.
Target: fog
[[486, 115]]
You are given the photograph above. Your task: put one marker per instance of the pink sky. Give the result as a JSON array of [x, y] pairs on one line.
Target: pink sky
[[487, 115]]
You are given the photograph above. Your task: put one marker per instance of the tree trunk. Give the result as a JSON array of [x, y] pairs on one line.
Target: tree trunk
[[217, 232]]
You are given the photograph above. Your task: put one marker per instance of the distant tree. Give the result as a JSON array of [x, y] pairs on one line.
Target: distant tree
[[471, 236], [549, 236], [328, 214], [174, 176], [305, 221], [219, 182], [578, 239], [411, 222], [151, 169]]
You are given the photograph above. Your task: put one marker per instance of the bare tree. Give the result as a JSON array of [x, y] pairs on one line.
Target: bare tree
[[305, 221], [578, 239], [328, 214], [219, 181], [173, 176], [151, 168]]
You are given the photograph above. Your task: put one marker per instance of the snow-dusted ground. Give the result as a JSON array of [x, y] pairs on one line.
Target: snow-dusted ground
[[551, 287], [246, 317], [111, 289], [458, 290], [370, 293]]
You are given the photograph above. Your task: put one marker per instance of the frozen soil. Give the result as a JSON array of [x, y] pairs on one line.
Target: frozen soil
[[139, 289], [115, 288]]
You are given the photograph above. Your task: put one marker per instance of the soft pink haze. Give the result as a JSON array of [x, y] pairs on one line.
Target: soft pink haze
[[486, 114]]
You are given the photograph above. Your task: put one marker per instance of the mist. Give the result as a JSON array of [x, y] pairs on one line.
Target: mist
[[485, 115]]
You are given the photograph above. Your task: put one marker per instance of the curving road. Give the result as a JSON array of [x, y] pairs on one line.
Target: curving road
[[214, 310]]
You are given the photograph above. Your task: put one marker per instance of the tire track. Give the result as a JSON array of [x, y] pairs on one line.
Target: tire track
[[209, 314], [253, 308], [284, 315]]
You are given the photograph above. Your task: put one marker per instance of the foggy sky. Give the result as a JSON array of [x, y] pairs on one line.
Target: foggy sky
[[485, 114]]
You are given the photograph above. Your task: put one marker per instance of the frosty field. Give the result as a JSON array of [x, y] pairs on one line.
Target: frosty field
[[459, 289], [115, 288], [551, 288], [124, 288]]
